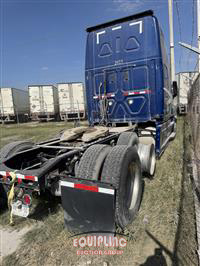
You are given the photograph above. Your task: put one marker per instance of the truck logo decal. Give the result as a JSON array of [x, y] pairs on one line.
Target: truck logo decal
[[137, 23], [132, 44], [106, 50]]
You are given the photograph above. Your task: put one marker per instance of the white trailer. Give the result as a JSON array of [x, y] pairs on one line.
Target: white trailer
[[71, 100], [43, 102], [14, 105], [184, 81]]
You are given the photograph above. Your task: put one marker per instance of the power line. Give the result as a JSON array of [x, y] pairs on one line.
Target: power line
[[179, 20], [189, 54], [192, 23]]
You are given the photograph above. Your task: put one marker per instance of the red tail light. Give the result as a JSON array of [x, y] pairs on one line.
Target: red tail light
[[27, 199]]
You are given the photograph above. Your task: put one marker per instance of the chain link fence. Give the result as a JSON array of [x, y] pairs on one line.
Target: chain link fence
[[194, 118]]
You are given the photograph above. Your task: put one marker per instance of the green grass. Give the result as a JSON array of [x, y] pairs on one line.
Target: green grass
[[32, 131], [49, 243]]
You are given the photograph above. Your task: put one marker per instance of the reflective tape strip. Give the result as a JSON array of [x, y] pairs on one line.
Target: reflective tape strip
[[133, 93], [67, 184], [30, 177], [106, 190], [27, 177], [87, 187], [103, 96], [137, 92], [20, 176], [110, 95], [3, 173]]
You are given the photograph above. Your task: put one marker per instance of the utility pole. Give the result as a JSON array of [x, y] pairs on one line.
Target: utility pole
[[198, 30], [172, 61]]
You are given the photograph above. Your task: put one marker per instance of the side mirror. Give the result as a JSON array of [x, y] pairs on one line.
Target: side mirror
[[175, 89]]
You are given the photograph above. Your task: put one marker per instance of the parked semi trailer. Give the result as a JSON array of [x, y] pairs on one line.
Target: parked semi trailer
[[71, 100], [43, 102], [14, 105], [98, 170], [184, 82]]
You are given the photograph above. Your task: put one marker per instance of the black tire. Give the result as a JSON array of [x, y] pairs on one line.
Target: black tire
[[91, 163], [128, 138], [122, 169], [14, 147]]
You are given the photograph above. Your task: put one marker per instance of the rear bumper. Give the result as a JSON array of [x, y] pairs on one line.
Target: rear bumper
[[43, 116], [8, 118], [24, 179], [72, 115], [89, 207]]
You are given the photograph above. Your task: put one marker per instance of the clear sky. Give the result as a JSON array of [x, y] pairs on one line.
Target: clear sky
[[43, 42]]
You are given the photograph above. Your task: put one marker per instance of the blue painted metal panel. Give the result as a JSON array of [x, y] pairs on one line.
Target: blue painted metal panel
[[163, 132], [124, 65]]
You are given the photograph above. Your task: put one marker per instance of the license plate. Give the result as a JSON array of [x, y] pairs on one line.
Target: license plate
[[20, 209]]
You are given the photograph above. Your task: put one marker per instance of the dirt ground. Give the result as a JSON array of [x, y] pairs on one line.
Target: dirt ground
[[11, 239], [154, 238]]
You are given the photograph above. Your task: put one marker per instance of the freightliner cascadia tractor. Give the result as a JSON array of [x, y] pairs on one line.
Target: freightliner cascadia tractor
[[98, 170]]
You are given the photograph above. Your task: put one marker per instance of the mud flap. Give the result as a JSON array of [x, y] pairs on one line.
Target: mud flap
[[88, 206]]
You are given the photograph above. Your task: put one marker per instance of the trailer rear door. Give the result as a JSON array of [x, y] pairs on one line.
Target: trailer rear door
[[35, 99], [64, 97], [48, 99], [6, 102], [78, 96]]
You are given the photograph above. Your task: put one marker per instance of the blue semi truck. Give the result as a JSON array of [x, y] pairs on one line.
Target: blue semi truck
[[98, 170]]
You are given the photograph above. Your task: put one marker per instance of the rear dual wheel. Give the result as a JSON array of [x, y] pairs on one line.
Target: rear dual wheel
[[128, 139], [91, 162], [120, 167], [123, 170]]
